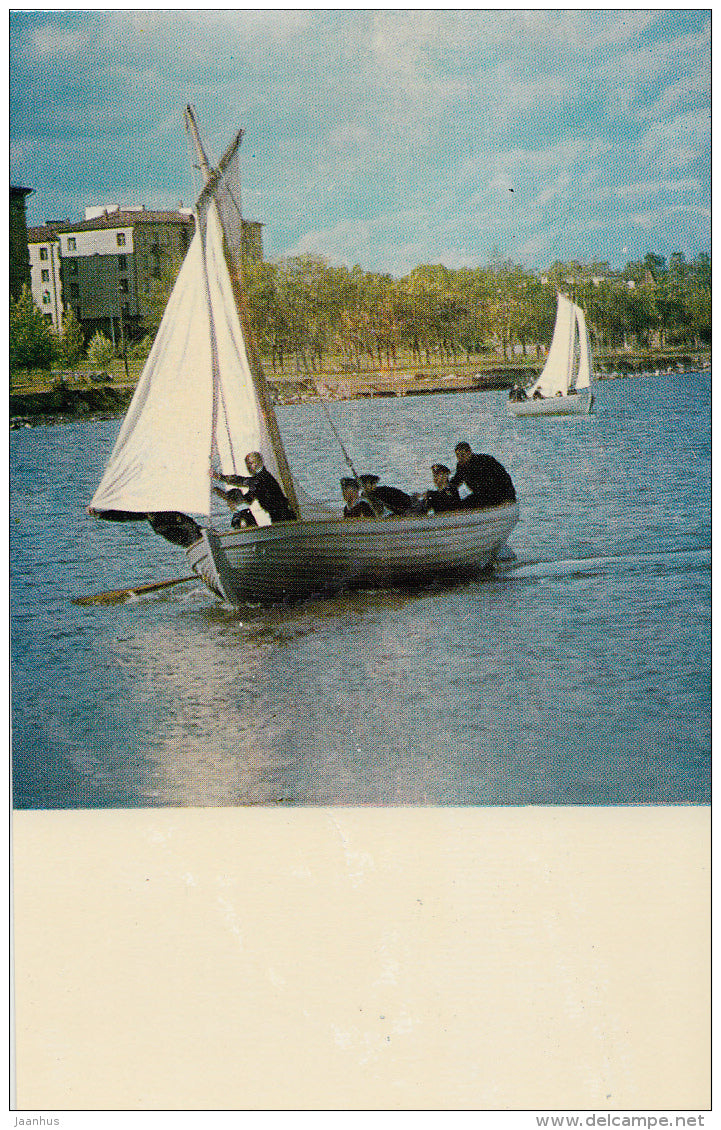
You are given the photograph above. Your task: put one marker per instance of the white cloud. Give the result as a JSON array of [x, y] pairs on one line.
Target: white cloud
[[678, 144], [375, 136], [655, 188], [47, 42], [624, 29], [689, 89]]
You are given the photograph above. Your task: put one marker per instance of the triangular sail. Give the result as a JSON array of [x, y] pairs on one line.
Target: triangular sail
[[239, 425], [221, 195], [161, 456], [585, 364], [568, 364], [199, 403], [554, 377]]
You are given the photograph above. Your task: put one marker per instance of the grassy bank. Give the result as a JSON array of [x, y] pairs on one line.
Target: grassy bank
[[86, 393]]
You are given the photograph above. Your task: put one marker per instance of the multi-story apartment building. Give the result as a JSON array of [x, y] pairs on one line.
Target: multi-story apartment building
[[110, 259], [106, 267], [45, 281]]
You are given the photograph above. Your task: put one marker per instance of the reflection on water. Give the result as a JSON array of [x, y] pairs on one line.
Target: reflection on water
[[577, 674]]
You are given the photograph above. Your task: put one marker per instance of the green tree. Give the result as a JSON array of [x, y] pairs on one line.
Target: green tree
[[701, 269], [71, 341], [139, 351], [100, 350], [306, 297], [656, 265], [303, 306], [32, 344]]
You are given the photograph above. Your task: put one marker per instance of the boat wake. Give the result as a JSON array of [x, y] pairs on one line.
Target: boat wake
[[589, 566]]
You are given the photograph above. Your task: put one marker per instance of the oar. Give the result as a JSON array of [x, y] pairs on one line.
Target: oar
[[116, 595]]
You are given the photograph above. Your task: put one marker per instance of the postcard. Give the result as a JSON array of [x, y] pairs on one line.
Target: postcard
[[360, 382]]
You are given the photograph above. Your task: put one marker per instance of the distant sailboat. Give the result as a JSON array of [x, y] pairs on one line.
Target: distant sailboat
[[202, 403], [564, 388]]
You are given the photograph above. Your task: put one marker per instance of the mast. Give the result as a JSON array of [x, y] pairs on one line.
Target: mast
[[192, 127], [234, 265]]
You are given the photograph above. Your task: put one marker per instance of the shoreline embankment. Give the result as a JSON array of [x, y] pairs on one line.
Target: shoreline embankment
[[72, 396]]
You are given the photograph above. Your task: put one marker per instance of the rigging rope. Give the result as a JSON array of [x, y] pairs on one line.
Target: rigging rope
[[348, 460]]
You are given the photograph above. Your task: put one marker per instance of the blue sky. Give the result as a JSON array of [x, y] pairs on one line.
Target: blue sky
[[386, 138]]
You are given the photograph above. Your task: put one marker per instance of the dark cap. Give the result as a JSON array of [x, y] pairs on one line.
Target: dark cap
[[348, 483], [369, 480], [440, 467]]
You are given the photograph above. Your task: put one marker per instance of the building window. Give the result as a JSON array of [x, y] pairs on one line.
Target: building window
[[123, 286], [74, 290], [49, 319], [46, 298], [73, 266], [44, 254], [45, 276], [120, 239], [122, 262], [72, 244]]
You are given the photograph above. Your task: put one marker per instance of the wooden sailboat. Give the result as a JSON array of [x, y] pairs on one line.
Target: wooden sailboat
[[564, 388], [202, 403]]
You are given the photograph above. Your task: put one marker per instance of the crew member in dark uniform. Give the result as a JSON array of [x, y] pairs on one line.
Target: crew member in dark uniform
[[445, 496], [355, 506], [517, 393], [395, 500], [486, 478], [263, 487], [242, 515]]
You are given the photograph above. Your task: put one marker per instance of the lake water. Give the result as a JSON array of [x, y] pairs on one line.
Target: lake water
[[579, 673]]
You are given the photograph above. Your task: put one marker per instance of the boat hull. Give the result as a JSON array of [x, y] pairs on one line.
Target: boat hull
[[577, 405], [291, 560]]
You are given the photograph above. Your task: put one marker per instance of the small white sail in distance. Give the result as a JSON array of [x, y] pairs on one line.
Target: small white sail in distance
[[585, 364], [569, 346]]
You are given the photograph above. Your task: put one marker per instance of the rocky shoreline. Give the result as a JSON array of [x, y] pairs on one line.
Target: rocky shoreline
[[64, 402], [59, 404]]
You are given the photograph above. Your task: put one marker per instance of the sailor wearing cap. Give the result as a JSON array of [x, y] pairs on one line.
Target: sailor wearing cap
[[445, 496], [392, 499], [355, 506]]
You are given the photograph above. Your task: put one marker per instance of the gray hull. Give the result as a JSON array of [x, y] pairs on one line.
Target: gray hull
[[290, 560], [577, 405]]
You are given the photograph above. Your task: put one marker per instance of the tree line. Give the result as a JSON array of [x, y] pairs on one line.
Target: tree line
[[305, 313], [305, 308]]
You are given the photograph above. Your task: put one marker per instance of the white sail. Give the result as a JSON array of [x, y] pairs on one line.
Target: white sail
[[239, 425], [161, 456], [569, 363], [555, 375], [585, 365], [197, 403]]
